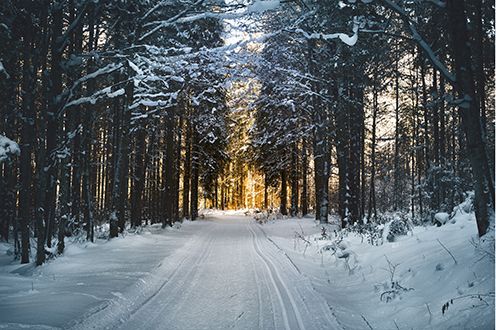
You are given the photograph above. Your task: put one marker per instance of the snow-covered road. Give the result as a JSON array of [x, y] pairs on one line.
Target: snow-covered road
[[227, 272], [229, 275]]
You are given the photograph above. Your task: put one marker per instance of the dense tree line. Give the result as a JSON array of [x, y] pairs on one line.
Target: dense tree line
[[110, 102], [394, 95], [123, 116]]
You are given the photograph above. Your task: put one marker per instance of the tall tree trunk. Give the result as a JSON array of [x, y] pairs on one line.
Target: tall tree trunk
[[169, 168], [177, 166], [435, 199], [320, 146], [141, 161], [194, 176], [187, 171], [115, 188], [304, 184], [284, 194], [396, 188], [356, 117], [321, 169], [27, 142], [372, 199], [470, 114], [426, 125], [266, 192], [124, 158], [294, 180], [53, 118]]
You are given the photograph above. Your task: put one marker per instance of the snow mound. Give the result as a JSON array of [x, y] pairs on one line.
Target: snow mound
[[441, 217]]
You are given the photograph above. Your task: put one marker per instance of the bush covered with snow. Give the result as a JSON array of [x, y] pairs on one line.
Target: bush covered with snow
[[466, 207], [370, 232], [385, 228], [397, 227]]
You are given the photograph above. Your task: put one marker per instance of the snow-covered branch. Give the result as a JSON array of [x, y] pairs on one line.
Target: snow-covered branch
[[8, 149], [3, 71], [349, 40], [421, 41], [257, 7]]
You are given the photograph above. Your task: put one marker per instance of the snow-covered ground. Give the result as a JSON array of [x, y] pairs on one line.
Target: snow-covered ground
[[227, 271], [217, 273], [87, 277], [356, 278]]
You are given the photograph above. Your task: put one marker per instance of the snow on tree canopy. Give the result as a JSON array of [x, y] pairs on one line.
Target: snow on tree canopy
[[8, 148], [262, 6]]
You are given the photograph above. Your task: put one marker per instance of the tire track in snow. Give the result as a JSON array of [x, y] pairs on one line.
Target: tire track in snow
[[184, 291], [180, 291], [114, 313], [306, 289], [291, 314], [264, 281], [281, 250], [259, 296]]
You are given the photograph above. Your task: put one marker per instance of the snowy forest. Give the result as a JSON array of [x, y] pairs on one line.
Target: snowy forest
[[296, 164]]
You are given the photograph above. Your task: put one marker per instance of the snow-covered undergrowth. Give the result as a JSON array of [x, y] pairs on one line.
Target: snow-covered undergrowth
[[88, 276], [430, 278]]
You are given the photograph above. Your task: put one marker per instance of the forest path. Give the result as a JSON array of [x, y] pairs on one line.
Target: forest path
[[229, 276]]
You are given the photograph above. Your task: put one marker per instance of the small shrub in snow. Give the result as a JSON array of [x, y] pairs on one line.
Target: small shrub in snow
[[323, 233], [395, 288], [485, 245], [466, 207], [395, 291], [370, 232], [261, 217], [397, 227], [386, 227]]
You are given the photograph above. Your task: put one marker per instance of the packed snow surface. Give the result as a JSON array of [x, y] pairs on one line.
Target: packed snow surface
[[227, 271]]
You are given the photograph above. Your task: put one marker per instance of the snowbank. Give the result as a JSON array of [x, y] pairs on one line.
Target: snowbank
[[88, 277], [432, 278]]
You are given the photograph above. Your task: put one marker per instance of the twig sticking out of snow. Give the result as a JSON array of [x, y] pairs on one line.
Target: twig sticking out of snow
[[392, 268], [451, 254], [300, 236], [479, 296], [487, 251]]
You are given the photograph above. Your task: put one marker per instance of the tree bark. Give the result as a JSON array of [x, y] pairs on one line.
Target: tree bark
[[294, 180], [194, 176], [304, 184], [187, 172], [141, 161], [470, 114], [284, 194]]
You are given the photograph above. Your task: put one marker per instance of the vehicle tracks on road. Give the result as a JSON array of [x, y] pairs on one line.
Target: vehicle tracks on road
[[290, 312]]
